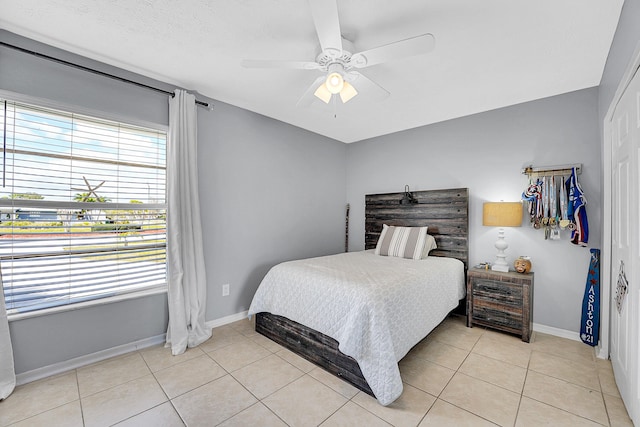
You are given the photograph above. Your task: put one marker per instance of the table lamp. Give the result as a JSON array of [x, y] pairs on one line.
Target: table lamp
[[501, 214]]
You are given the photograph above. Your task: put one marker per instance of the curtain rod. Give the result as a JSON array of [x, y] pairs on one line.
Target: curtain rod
[[94, 71]]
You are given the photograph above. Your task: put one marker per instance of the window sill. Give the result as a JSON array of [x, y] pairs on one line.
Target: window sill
[[86, 304]]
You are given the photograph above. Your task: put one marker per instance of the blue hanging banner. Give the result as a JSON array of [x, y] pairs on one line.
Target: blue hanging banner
[[590, 324]]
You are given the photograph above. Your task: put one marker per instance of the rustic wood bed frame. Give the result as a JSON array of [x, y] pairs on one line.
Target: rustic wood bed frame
[[445, 212]]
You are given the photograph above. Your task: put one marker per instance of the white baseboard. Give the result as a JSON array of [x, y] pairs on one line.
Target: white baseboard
[[601, 351], [227, 319], [562, 333], [77, 362]]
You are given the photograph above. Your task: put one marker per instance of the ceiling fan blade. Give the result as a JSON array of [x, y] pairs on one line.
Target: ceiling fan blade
[[294, 65], [308, 97], [400, 49], [366, 87], [325, 18]]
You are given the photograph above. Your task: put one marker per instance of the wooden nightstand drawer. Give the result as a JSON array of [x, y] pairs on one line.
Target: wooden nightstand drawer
[[499, 292], [501, 301], [487, 313]]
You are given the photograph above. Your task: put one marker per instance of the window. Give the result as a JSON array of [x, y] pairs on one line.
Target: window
[[82, 207]]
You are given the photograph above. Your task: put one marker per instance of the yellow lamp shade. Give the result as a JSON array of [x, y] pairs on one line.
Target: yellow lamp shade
[[502, 214]]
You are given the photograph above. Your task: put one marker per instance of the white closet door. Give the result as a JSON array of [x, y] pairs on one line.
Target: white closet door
[[625, 324]]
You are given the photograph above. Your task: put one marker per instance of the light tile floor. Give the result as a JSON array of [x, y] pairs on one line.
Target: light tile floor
[[455, 377]]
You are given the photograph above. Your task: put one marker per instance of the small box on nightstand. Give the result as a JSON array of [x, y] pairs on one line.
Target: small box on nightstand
[[502, 301]]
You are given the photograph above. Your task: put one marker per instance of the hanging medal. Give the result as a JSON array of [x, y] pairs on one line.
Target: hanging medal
[[564, 222], [538, 221], [553, 200], [531, 195], [545, 201]]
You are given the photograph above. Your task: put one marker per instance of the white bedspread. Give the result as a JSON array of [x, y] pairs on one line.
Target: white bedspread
[[376, 307]]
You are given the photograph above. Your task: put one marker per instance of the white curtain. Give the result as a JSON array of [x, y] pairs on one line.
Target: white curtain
[[185, 257], [7, 373]]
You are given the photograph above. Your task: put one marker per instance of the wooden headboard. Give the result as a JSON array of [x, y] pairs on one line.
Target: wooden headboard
[[445, 212]]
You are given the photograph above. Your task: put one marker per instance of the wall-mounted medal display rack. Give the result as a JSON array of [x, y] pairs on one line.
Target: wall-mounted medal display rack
[[557, 202]]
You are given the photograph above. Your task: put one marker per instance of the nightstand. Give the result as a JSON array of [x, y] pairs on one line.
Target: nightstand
[[502, 301]]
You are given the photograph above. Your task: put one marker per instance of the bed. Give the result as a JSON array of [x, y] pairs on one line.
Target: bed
[[357, 314]]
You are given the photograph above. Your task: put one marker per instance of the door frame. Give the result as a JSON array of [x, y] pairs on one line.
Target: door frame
[[605, 257]]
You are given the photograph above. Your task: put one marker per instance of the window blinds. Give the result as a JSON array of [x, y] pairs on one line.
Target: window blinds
[[82, 207]]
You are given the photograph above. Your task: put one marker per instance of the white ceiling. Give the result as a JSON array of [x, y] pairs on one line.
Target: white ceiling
[[489, 54]]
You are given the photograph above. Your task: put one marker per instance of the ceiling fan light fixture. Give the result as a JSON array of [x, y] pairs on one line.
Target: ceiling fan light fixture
[[334, 82], [323, 93], [347, 92]]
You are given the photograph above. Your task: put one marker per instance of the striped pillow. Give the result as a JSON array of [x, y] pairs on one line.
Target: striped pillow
[[402, 242]]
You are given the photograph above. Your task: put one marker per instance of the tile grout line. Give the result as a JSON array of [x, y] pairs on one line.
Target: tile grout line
[[462, 373], [568, 382], [604, 401], [450, 379], [362, 407], [331, 414], [161, 388], [170, 400], [22, 420], [430, 407], [79, 397], [564, 410], [258, 400], [457, 371], [526, 375], [313, 378]]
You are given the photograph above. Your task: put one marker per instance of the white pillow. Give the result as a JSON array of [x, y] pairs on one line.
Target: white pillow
[[429, 245], [402, 242]]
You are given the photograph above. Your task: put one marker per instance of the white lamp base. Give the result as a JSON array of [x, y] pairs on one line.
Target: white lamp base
[[501, 257]]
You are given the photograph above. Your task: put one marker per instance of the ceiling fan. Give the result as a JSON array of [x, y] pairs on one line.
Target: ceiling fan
[[337, 62]]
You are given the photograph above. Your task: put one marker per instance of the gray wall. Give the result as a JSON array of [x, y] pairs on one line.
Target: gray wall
[[269, 192], [486, 152], [624, 44]]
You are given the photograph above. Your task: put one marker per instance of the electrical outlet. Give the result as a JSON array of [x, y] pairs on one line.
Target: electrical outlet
[[225, 290]]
